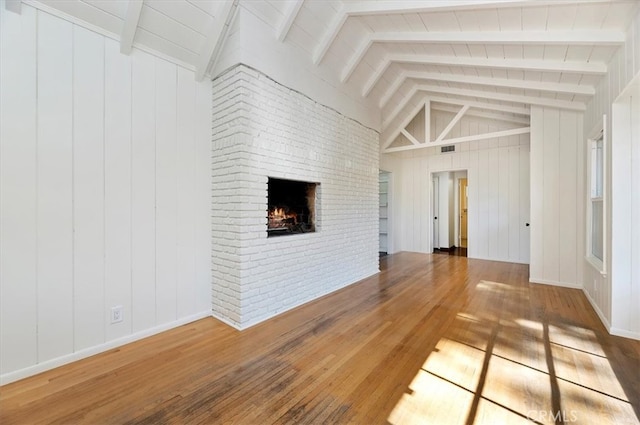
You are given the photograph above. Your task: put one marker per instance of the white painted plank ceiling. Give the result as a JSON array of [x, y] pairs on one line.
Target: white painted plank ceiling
[[508, 53]]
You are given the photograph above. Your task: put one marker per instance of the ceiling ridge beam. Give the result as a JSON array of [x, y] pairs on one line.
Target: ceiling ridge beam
[[463, 139], [288, 19], [130, 26], [527, 100], [216, 36], [453, 122]]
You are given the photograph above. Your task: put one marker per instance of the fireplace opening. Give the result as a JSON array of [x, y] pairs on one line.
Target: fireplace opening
[[291, 207]]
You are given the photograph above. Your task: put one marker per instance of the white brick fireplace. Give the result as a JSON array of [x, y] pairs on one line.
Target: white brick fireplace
[[262, 129]]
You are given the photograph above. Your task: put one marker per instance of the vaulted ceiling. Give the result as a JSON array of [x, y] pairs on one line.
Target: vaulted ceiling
[[493, 58]]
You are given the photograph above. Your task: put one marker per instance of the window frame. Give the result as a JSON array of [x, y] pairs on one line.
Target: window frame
[[600, 264]]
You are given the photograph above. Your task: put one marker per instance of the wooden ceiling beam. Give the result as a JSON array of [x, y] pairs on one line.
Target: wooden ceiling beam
[[452, 123], [365, 8], [574, 89], [216, 36], [427, 100], [482, 114], [590, 68], [479, 94], [457, 140], [591, 38], [571, 37], [130, 26], [410, 137], [518, 110], [289, 18], [495, 82], [375, 77], [408, 118], [329, 37]]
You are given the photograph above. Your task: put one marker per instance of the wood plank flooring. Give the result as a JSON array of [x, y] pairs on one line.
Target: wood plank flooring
[[432, 339]]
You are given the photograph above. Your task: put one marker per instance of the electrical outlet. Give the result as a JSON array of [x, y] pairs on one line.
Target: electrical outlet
[[117, 315]]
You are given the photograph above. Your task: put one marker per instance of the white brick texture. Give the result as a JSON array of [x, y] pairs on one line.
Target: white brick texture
[[262, 129]]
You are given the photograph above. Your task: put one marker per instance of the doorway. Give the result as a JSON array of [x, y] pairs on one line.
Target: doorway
[[449, 209], [435, 209], [463, 210]]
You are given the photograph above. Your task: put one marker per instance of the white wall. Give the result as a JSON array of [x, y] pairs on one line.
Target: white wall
[[557, 204], [625, 231], [266, 130], [252, 42], [105, 193], [621, 70], [498, 172]]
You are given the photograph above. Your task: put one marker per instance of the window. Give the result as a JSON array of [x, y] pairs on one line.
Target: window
[[597, 225], [596, 212]]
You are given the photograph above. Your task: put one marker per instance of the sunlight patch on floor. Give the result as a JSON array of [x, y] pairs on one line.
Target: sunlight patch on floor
[[489, 370], [432, 400]]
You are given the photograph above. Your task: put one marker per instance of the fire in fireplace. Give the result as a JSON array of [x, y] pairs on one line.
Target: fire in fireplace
[[291, 207]]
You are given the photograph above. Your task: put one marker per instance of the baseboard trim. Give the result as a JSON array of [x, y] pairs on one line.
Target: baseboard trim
[[500, 260], [259, 320], [624, 333], [226, 321], [555, 283], [96, 349], [596, 308]]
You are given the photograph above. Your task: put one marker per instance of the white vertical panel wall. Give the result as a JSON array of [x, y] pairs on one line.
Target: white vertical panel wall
[[625, 208], [498, 209], [19, 190], [105, 193], [54, 182], [557, 204], [88, 188], [622, 69]]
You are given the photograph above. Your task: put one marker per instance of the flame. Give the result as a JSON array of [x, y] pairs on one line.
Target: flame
[[278, 217]]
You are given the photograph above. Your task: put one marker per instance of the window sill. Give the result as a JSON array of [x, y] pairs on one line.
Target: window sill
[[596, 264]]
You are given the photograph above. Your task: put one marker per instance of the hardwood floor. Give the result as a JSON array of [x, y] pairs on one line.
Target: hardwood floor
[[432, 339]]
